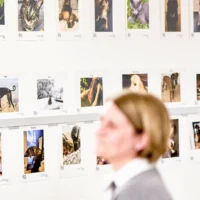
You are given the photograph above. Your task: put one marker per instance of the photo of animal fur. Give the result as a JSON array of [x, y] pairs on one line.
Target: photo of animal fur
[[103, 15], [34, 151], [49, 94], [135, 82], [198, 86], [71, 141], [68, 15], [138, 14], [171, 87], [196, 15], [101, 161], [9, 95], [2, 13], [30, 15], [91, 91], [173, 143], [0, 156], [196, 134], [172, 15]]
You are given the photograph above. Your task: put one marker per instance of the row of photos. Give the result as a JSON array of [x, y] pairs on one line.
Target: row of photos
[[49, 92], [71, 141], [31, 17]]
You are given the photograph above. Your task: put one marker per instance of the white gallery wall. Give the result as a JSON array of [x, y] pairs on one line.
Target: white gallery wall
[[108, 56]]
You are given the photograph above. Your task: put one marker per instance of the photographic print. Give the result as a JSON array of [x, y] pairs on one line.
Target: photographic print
[[50, 94], [68, 15], [196, 15], [33, 151], [30, 15], [172, 15], [173, 143], [171, 87], [138, 14], [135, 82], [2, 13], [103, 15], [0, 156], [196, 134], [198, 86], [101, 161], [9, 95], [91, 91], [71, 141]]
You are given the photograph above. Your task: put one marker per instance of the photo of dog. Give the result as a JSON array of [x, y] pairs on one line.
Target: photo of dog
[[0, 157], [196, 15], [172, 15], [101, 161], [198, 86], [68, 15], [34, 151], [91, 91], [49, 94], [138, 14], [2, 13], [71, 141], [171, 87], [135, 82], [30, 15], [103, 16], [173, 143], [196, 134], [9, 98]]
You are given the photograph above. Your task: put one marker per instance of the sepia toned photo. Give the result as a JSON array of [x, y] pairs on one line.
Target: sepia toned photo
[[9, 95], [0, 156], [196, 15], [196, 134], [2, 12], [173, 143], [172, 15], [30, 15], [101, 161], [68, 15], [135, 82], [171, 87], [91, 91], [103, 15], [138, 14], [34, 151], [49, 94], [71, 145], [198, 86]]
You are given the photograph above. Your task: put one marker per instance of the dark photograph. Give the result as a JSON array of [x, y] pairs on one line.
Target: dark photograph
[[2, 12], [196, 134]]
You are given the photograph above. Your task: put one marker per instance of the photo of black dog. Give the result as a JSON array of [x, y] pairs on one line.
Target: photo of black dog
[[172, 16]]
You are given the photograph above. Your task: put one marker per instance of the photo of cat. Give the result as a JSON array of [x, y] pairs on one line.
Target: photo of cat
[[196, 15], [30, 15], [138, 14], [2, 13], [68, 15], [172, 16]]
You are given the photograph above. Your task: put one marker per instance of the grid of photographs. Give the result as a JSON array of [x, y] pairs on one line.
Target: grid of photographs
[[135, 82], [196, 134], [137, 14], [173, 143], [2, 13], [50, 94], [30, 15], [71, 142], [0, 156], [34, 151], [172, 16], [91, 91], [68, 15], [170, 87], [196, 15], [9, 95], [103, 15]]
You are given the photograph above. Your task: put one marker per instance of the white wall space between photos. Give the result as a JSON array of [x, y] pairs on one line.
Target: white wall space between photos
[[113, 55]]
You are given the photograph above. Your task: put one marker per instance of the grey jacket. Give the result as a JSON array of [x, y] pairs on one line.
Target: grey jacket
[[145, 186]]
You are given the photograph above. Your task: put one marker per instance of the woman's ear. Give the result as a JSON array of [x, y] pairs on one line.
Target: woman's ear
[[141, 142]]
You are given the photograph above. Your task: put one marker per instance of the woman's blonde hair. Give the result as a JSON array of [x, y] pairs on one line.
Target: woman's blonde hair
[[148, 115]]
